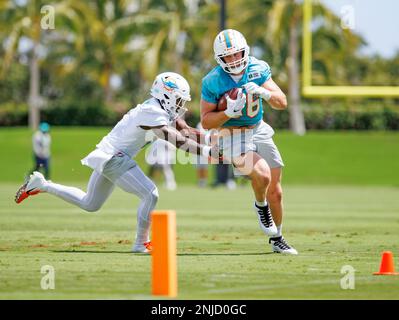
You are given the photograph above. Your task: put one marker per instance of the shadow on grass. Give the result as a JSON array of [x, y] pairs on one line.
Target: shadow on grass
[[95, 251], [225, 254], [179, 254]]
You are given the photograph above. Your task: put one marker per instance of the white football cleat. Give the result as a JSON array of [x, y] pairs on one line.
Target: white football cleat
[[145, 247], [266, 220], [279, 245], [172, 186], [33, 186]]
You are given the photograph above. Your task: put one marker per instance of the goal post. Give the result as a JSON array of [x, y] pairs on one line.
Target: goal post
[[311, 91]]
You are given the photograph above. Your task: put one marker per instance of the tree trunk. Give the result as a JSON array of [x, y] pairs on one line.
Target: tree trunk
[[34, 89], [179, 52], [109, 94], [297, 120]]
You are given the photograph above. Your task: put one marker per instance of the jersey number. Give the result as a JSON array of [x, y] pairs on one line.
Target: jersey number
[[253, 105]]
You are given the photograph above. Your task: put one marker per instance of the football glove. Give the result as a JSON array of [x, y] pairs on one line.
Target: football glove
[[253, 88], [234, 107]]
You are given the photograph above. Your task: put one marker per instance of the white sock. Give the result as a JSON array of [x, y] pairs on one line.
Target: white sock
[[143, 234], [169, 176], [279, 231], [44, 188], [261, 203]]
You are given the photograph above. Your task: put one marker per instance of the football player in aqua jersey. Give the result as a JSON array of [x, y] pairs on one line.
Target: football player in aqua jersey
[[112, 159], [245, 139]]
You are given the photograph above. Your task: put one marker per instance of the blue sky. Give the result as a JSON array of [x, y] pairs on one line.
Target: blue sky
[[376, 20]]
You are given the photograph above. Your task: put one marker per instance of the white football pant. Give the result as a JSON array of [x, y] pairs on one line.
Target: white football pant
[[99, 189]]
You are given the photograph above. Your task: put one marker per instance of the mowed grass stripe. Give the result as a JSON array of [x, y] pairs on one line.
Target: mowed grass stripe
[[318, 158], [222, 254]]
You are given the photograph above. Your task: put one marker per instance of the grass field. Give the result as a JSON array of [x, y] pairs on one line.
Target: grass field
[[341, 208], [319, 158], [222, 253]]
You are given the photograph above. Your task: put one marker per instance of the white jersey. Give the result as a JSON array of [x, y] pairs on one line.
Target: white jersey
[[127, 136], [41, 144]]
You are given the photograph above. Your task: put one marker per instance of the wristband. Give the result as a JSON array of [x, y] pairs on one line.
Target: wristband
[[206, 151], [207, 138], [266, 94]]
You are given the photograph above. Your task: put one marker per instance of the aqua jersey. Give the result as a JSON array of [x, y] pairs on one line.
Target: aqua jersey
[[217, 82]]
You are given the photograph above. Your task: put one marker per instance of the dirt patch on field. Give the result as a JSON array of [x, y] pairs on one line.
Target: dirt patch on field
[[90, 243], [124, 242], [39, 246]]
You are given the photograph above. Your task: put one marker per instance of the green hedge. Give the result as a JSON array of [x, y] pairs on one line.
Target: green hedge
[[13, 114], [366, 118], [340, 118], [83, 113], [93, 113]]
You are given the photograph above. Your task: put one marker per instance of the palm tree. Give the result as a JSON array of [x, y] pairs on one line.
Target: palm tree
[[272, 29], [174, 35], [277, 36], [23, 19], [280, 37], [121, 37], [109, 33], [173, 23], [297, 119]]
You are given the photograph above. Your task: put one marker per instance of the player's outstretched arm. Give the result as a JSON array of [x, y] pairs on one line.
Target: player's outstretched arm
[[191, 133], [173, 136]]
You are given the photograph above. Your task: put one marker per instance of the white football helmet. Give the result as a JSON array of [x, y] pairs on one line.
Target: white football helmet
[[228, 42], [172, 92]]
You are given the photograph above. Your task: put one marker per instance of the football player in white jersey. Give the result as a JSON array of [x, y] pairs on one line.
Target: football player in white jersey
[[112, 160], [245, 138]]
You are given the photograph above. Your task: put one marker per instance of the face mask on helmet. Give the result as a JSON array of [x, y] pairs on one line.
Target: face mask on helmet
[[236, 64], [177, 110], [172, 91], [227, 43]]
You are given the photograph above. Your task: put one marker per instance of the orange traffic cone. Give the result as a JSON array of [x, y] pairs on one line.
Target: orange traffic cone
[[387, 267]]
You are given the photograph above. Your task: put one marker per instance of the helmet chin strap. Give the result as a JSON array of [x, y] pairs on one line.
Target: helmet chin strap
[[172, 115], [161, 104], [229, 70]]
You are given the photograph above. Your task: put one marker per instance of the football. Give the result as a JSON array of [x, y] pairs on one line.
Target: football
[[222, 103]]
